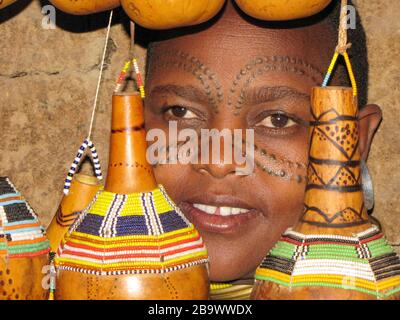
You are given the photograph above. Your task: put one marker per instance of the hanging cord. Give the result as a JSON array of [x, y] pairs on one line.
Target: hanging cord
[[341, 49], [131, 62], [100, 75], [88, 142]]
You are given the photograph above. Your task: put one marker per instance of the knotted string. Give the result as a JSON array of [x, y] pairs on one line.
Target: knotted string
[[87, 142], [341, 49], [131, 62]]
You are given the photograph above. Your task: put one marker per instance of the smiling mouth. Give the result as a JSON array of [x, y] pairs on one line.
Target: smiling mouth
[[217, 219]]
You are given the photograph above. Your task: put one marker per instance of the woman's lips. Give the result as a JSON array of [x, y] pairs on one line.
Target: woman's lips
[[217, 219]]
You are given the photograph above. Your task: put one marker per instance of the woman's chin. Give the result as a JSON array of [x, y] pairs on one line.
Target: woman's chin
[[220, 271], [228, 228]]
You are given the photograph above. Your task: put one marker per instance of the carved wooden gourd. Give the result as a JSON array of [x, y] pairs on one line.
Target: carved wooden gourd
[[132, 242], [6, 3], [334, 252], [23, 248], [83, 7], [81, 193], [162, 14], [278, 10]]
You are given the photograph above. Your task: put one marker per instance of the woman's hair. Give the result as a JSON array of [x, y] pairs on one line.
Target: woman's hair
[[331, 15]]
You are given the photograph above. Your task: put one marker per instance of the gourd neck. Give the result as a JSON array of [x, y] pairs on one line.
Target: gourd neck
[[128, 169], [334, 202]]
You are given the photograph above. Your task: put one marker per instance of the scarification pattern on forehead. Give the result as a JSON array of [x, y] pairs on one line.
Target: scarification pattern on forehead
[[262, 65], [194, 66]]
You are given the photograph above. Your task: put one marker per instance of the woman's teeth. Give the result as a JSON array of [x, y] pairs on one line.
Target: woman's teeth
[[223, 211]]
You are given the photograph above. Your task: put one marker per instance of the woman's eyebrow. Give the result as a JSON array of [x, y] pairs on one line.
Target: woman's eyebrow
[[268, 94], [187, 92]]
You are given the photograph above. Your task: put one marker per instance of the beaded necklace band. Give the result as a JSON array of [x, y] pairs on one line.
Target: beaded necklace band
[[236, 290], [21, 234], [131, 234], [364, 263]]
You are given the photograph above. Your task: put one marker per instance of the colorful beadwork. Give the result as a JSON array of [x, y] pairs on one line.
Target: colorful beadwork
[[123, 74], [96, 162], [349, 68], [131, 234], [139, 79], [364, 262], [21, 234], [230, 291]]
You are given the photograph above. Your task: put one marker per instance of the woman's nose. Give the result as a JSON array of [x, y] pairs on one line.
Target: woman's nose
[[218, 171], [218, 162]]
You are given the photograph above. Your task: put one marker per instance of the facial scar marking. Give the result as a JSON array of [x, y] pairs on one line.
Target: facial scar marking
[[262, 65], [194, 66]]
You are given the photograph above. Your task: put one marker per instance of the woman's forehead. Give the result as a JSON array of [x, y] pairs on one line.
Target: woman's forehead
[[227, 47], [228, 62]]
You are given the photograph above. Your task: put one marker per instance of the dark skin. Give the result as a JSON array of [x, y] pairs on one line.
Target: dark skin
[[237, 75]]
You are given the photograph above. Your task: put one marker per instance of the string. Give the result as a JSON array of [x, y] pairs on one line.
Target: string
[[341, 49], [342, 37], [100, 76], [87, 143]]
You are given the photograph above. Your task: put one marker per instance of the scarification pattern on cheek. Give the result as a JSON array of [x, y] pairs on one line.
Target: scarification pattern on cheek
[[266, 161], [195, 67], [263, 65], [280, 167]]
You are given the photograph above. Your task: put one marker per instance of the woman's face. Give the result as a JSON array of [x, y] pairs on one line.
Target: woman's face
[[238, 76]]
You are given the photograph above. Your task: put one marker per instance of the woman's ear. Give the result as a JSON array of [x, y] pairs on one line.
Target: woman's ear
[[369, 119]]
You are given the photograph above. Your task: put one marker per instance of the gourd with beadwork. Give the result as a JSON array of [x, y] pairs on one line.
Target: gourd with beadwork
[[334, 251], [279, 10], [23, 248], [168, 14], [132, 242], [83, 7]]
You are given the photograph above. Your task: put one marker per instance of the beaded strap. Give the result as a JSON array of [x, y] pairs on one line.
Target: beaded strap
[[87, 142], [96, 162], [349, 68], [139, 78], [341, 49], [123, 74]]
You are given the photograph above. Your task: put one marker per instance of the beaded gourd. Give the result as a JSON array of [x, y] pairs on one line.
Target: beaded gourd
[[23, 247], [132, 241], [334, 252]]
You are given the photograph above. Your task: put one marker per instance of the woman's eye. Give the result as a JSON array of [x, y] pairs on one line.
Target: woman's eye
[[277, 120], [180, 112]]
